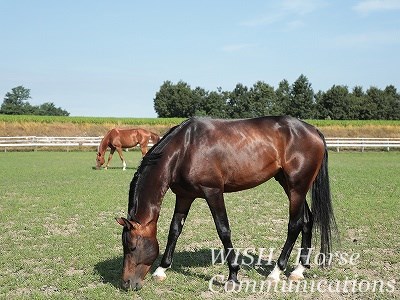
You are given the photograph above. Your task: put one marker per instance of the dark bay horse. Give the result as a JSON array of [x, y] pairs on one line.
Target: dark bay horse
[[205, 158], [118, 139]]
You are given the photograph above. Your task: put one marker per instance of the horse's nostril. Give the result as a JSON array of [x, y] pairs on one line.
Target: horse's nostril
[[126, 284], [138, 286]]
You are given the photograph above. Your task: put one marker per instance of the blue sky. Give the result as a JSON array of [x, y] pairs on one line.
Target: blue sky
[[109, 58]]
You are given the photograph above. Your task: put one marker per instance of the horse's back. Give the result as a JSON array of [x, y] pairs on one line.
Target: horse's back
[[239, 154], [236, 132]]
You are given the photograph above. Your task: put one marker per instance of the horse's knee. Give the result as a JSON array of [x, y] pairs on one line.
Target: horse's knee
[[224, 234], [174, 232], [177, 223]]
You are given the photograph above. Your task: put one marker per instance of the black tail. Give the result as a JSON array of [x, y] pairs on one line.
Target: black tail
[[321, 208]]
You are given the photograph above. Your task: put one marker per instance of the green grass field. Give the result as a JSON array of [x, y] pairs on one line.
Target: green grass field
[[59, 239]]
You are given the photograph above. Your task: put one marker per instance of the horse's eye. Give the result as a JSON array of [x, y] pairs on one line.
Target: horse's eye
[[132, 249]]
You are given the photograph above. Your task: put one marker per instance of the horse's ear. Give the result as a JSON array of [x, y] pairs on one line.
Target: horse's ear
[[126, 223], [121, 221]]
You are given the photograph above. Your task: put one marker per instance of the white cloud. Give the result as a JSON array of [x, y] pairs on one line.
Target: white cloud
[[369, 6], [285, 12]]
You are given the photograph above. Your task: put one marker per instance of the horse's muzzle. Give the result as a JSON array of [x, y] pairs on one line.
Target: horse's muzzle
[[130, 285]]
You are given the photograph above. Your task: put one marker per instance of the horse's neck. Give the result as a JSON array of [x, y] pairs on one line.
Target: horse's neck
[[103, 145], [145, 205], [152, 181]]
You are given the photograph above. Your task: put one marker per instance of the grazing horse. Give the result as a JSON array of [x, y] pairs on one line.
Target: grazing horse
[[205, 158], [118, 139]]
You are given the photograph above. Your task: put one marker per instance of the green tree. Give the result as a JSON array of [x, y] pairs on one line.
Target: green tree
[[374, 107], [298, 100], [214, 105], [239, 103], [282, 102], [336, 103], [176, 100], [301, 99], [49, 109], [320, 111], [393, 100], [262, 99], [367, 106], [15, 102], [357, 99]]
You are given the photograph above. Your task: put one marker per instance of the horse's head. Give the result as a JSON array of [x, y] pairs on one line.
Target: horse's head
[[140, 251], [99, 160]]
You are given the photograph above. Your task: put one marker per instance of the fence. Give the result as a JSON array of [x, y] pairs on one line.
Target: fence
[[35, 142], [29, 142], [363, 143]]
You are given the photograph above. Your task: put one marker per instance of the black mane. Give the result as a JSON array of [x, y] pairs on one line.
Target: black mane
[[150, 159]]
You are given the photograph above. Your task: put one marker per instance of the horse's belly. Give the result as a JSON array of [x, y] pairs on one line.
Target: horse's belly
[[241, 178]]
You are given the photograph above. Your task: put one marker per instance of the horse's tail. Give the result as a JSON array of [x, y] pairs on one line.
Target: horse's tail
[[321, 208]]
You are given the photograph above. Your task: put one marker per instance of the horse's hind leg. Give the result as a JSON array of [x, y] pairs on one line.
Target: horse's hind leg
[[182, 207], [295, 225], [306, 231], [121, 156], [215, 201]]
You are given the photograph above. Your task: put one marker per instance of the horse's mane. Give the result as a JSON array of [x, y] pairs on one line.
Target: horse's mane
[[151, 158], [104, 143]]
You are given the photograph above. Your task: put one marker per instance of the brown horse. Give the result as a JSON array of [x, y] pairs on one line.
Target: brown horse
[[204, 158], [118, 139]]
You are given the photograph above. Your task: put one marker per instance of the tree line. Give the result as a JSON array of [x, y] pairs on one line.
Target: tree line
[[16, 103], [297, 99]]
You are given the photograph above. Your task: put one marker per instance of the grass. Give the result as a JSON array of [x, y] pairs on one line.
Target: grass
[[59, 239]]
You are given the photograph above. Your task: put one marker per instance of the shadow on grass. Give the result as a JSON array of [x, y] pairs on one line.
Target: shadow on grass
[[110, 269], [184, 263]]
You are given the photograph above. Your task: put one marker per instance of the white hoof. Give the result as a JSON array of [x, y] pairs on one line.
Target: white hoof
[[231, 286], [295, 277], [297, 274], [159, 274], [274, 275]]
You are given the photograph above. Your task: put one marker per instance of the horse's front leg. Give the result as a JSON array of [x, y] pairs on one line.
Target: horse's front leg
[[182, 207], [215, 201], [112, 150], [143, 148]]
